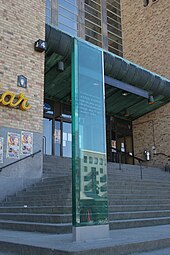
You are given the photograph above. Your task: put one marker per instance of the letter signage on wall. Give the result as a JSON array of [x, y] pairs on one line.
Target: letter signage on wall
[[15, 101]]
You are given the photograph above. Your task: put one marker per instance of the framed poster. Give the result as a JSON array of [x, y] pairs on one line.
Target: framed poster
[[26, 143], [1, 149], [13, 145]]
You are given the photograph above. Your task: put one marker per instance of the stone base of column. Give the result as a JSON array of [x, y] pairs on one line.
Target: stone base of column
[[90, 233]]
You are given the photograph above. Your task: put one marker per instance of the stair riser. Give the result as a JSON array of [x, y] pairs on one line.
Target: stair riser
[[38, 198], [60, 197], [40, 219], [36, 228], [131, 208], [67, 219], [55, 210], [44, 192], [38, 203], [139, 215], [138, 223], [138, 202]]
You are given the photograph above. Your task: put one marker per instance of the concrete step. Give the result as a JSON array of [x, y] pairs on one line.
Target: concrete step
[[121, 242], [165, 251], [63, 202], [138, 201], [36, 227], [143, 207], [126, 196], [37, 209], [138, 215], [43, 191], [41, 218], [134, 223], [38, 196], [110, 191]]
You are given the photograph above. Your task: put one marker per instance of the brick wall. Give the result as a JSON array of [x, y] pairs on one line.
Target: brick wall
[[153, 131], [22, 23], [146, 36]]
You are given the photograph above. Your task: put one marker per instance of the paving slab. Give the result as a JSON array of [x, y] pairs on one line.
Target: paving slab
[[158, 252], [121, 242]]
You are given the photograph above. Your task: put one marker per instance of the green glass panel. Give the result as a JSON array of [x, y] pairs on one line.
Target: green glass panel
[[90, 205]]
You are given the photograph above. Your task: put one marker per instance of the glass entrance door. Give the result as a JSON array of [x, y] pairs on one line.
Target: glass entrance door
[[63, 138], [119, 140], [47, 136]]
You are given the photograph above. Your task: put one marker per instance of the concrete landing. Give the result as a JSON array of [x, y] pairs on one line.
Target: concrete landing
[[121, 242]]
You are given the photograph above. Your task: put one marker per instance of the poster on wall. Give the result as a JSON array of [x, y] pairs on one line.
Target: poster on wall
[[13, 145], [1, 149], [26, 143], [57, 136]]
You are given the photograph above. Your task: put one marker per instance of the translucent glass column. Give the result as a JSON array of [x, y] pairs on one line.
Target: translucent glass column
[[90, 206]]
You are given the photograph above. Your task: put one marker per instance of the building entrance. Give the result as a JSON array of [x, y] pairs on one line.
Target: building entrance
[[119, 140], [57, 130], [58, 134]]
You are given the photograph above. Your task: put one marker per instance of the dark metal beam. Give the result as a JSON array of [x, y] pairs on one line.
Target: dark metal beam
[[126, 87]]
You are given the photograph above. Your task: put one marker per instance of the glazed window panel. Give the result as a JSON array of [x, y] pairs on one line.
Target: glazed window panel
[[68, 14], [115, 38], [92, 26], [93, 34], [93, 41], [114, 27], [67, 29], [92, 11], [67, 22], [93, 31], [114, 17], [93, 4], [115, 8], [67, 5], [114, 23], [114, 3], [93, 19], [48, 11], [114, 30]]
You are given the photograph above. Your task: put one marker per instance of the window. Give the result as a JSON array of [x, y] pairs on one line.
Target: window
[[93, 30], [114, 27], [67, 12], [48, 11]]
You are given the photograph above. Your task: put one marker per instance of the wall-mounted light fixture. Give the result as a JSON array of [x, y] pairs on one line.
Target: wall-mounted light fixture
[[151, 100], [60, 66], [22, 81], [126, 113], [40, 45], [124, 93], [146, 2]]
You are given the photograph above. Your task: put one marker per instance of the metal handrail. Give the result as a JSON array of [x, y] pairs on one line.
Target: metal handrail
[[161, 153], [44, 144], [140, 160], [31, 155]]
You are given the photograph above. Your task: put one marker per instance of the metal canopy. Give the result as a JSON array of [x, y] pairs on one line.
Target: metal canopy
[[58, 83]]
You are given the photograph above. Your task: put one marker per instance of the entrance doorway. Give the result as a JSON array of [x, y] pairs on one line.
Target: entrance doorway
[[58, 134], [57, 130], [119, 139]]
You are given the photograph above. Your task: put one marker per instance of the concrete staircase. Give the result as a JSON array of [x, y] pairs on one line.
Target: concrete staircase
[[47, 206]]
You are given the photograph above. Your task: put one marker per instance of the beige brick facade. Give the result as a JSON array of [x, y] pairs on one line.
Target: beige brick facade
[[152, 132], [146, 36], [22, 23]]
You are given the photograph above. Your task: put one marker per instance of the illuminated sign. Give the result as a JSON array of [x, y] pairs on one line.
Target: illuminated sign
[[12, 100]]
